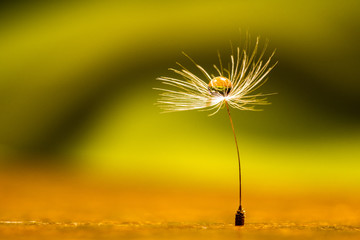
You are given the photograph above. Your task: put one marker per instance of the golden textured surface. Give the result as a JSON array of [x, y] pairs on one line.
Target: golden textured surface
[[176, 230], [58, 206]]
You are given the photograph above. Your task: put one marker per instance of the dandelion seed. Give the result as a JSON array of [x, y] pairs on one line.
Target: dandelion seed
[[232, 87]]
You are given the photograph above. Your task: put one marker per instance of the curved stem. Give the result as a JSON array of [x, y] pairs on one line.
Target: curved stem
[[237, 149]]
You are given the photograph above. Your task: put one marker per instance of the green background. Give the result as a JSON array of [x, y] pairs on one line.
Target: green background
[[77, 79]]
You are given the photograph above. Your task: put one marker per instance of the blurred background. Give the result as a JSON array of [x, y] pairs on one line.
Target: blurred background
[[77, 108]]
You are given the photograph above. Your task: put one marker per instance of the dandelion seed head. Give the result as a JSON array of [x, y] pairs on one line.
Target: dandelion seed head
[[247, 71]]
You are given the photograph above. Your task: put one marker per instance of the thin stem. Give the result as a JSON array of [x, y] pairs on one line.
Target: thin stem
[[237, 149]]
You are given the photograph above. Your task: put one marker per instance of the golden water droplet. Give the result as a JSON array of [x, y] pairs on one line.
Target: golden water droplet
[[220, 85]]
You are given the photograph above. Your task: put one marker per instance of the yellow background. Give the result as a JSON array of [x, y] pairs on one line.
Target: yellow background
[[76, 94]]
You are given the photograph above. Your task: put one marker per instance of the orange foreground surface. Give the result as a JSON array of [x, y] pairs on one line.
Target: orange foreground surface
[[57, 206]]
